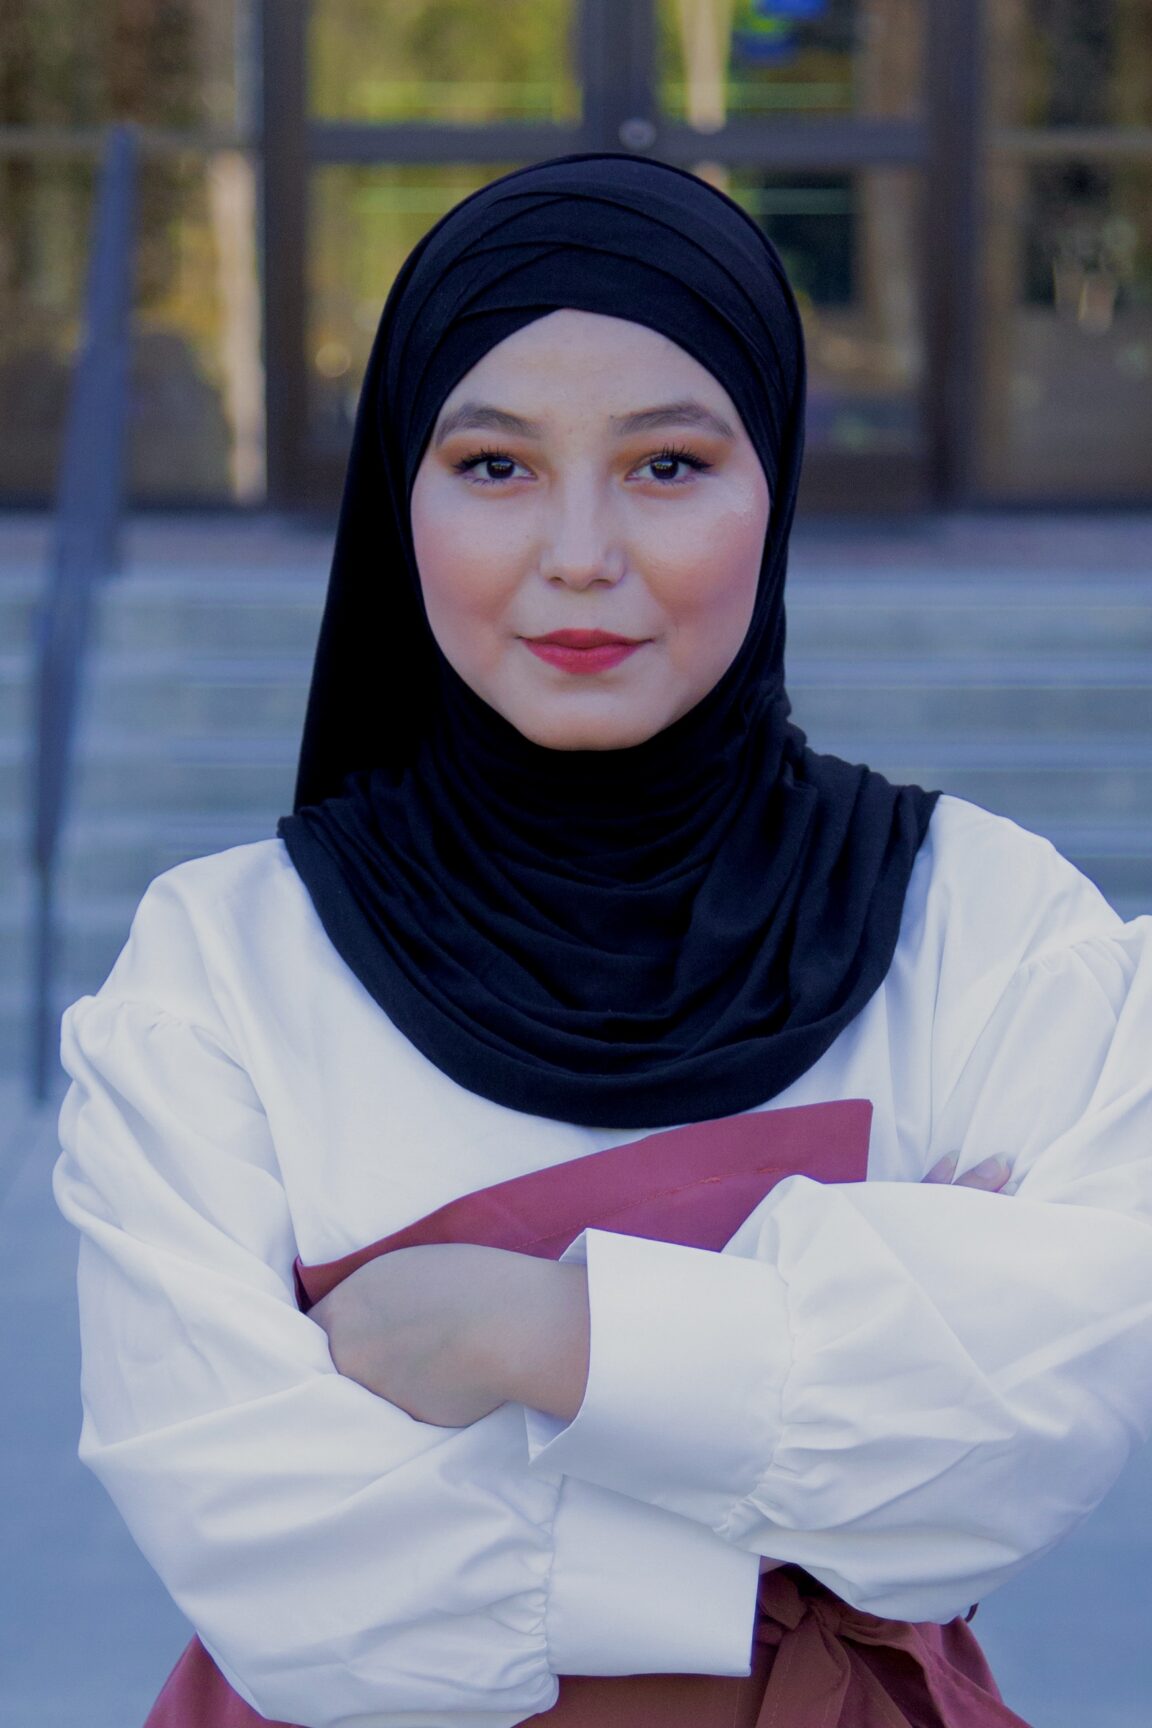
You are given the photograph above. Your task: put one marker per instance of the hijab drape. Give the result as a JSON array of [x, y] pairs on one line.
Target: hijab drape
[[639, 937]]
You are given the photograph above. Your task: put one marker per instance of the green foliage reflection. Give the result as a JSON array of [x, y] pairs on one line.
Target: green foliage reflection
[[444, 60]]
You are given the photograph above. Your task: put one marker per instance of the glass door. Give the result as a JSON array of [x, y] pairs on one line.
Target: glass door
[[1065, 355], [809, 112]]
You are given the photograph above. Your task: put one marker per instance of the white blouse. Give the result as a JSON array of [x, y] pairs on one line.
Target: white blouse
[[908, 1389]]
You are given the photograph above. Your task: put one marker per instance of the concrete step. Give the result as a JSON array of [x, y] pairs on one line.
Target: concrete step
[[253, 776], [1007, 671], [17, 602], [1035, 781], [15, 690], [834, 617], [987, 700], [165, 775], [229, 612], [201, 698], [20, 592], [102, 850], [14, 774]]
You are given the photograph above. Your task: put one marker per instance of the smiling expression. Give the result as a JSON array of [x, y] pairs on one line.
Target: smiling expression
[[589, 520]]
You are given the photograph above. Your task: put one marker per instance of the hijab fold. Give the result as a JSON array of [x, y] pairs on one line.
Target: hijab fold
[[629, 938]]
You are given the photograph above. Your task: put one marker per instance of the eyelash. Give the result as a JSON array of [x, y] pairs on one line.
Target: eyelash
[[668, 454]]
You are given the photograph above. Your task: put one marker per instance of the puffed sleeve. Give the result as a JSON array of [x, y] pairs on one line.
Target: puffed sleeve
[[909, 1389], [342, 1561]]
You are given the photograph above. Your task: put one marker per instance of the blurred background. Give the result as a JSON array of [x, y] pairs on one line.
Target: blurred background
[[962, 194], [964, 204]]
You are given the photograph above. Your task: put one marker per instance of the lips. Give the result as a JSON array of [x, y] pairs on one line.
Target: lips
[[585, 639], [583, 651]]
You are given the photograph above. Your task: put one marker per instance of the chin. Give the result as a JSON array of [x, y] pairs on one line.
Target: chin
[[572, 734]]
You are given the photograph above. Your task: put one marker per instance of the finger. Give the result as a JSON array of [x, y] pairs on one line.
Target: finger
[[991, 1174], [944, 1169]]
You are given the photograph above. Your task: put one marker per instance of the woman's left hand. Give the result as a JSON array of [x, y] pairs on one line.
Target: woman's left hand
[[450, 1331]]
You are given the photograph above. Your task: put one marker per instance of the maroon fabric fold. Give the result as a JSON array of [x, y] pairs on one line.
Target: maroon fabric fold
[[694, 1185], [816, 1662]]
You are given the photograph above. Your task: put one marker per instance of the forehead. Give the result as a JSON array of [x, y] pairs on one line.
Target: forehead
[[588, 355]]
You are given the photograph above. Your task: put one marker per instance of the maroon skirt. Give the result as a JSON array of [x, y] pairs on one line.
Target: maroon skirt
[[816, 1662]]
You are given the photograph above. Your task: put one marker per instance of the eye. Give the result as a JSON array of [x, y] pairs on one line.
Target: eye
[[489, 467], [668, 466]]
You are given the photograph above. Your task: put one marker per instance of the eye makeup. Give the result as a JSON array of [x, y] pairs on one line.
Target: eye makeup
[[669, 456]]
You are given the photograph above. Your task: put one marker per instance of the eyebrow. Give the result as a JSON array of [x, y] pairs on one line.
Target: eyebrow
[[477, 416], [673, 414]]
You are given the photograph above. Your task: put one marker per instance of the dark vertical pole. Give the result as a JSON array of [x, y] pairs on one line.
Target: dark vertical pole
[[89, 507], [954, 80], [596, 57], [640, 93], [624, 97], [284, 144]]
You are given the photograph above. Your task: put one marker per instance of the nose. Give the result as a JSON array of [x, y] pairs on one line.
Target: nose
[[578, 549]]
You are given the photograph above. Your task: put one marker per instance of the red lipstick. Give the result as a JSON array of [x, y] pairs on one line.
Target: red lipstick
[[583, 650]]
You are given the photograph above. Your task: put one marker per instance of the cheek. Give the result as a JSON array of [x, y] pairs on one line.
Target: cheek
[[712, 573], [466, 577]]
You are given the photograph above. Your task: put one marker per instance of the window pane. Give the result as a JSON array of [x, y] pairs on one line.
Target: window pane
[[177, 63], [1076, 63], [849, 245], [365, 221], [45, 211], [1067, 360], [726, 60], [196, 405], [446, 60]]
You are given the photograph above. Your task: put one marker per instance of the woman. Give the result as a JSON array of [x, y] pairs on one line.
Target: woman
[[611, 1373]]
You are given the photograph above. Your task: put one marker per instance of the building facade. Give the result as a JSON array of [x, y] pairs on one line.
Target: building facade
[[962, 193]]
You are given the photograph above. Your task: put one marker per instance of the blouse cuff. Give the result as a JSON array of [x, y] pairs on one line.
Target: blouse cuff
[[689, 1352], [636, 1590]]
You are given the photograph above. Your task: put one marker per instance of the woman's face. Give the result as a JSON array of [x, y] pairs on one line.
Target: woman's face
[[589, 520]]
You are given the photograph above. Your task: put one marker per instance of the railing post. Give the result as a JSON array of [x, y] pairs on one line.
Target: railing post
[[89, 507]]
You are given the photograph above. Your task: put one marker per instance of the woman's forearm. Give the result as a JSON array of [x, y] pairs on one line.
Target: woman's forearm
[[451, 1331], [543, 1353]]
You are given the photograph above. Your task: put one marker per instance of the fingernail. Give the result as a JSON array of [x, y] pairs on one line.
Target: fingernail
[[943, 1169], [989, 1173]]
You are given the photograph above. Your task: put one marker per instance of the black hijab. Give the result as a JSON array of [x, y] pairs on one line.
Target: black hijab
[[632, 938]]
